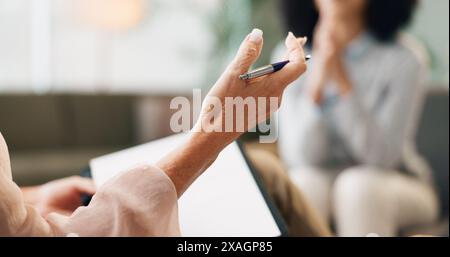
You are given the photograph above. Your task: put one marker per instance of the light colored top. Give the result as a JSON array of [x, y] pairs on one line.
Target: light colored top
[[374, 125], [138, 202]]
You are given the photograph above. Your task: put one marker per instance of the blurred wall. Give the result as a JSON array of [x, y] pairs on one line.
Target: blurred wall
[[431, 26], [145, 46]]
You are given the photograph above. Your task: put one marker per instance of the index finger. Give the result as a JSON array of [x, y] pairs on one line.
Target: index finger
[[84, 185], [296, 65]]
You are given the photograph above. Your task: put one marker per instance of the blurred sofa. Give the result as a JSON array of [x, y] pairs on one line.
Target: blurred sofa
[[433, 141], [53, 136]]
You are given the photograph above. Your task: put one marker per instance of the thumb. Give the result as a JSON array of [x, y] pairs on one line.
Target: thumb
[[296, 65], [248, 52], [84, 185]]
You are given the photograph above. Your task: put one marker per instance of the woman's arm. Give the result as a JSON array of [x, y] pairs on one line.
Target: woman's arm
[[303, 130], [184, 164]]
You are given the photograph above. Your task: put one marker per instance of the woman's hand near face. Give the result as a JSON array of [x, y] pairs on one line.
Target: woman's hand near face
[[330, 40], [327, 53], [187, 162]]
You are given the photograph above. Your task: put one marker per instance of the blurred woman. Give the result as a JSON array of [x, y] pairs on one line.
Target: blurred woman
[[347, 132]]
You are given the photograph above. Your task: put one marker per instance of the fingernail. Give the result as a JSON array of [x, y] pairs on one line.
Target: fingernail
[[304, 40], [290, 34], [256, 35]]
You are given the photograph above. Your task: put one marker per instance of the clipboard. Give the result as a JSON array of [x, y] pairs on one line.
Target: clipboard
[[228, 199]]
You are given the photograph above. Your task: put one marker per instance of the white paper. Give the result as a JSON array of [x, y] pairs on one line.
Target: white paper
[[223, 201]]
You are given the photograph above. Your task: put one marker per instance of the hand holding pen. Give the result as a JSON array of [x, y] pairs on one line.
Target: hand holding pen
[[268, 87], [271, 68], [210, 134]]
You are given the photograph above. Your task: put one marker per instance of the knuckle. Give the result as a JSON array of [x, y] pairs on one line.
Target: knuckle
[[251, 53], [248, 55], [235, 70], [243, 60]]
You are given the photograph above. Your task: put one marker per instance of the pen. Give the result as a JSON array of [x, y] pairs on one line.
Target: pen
[[271, 68]]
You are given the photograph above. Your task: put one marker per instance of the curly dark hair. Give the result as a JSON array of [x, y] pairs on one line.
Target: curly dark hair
[[384, 18]]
